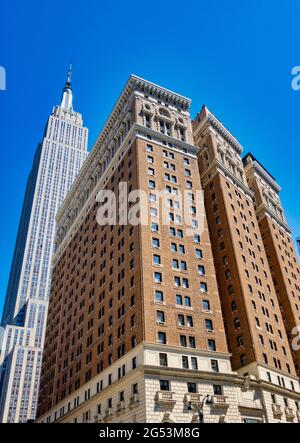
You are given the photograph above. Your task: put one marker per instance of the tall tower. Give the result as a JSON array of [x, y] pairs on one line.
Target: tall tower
[[254, 326], [278, 243], [134, 325], [57, 161], [135, 330]]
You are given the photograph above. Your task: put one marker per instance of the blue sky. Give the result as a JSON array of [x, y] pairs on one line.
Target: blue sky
[[235, 56]]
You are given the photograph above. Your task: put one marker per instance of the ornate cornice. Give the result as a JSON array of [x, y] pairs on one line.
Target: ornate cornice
[[266, 177], [133, 86], [211, 120], [217, 165], [265, 210]]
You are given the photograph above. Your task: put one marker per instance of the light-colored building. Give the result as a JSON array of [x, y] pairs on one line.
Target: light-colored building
[[135, 327], [57, 161]]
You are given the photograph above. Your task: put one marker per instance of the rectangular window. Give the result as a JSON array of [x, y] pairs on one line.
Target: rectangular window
[[211, 345], [192, 388], [178, 299], [214, 365], [163, 359], [157, 277], [161, 337], [185, 362], [164, 385], [160, 317], [159, 296]]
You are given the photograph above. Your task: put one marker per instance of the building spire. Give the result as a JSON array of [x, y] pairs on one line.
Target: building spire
[[67, 97]]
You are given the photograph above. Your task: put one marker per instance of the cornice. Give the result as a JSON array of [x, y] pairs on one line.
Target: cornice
[[133, 85], [266, 177], [268, 212], [218, 165], [211, 120]]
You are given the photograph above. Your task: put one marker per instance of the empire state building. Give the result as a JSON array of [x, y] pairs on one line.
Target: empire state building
[[57, 161]]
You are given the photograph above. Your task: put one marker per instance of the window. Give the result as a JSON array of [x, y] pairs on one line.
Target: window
[[185, 362], [198, 253], [218, 390], [157, 277], [163, 359], [209, 325], [173, 247], [161, 336], [211, 345], [181, 249], [189, 321], [172, 232], [159, 296], [153, 212], [201, 270], [150, 159], [187, 302], [177, 282], [185, 283], [156, 260], [180, 320], [133, 363], [194, 363], [196, 238], [183, 341], [203, 287], [164, 385], [154, 227], [214, 365], [160, 317], [243, 359], [155, 243], [206, 305], [175, 263], [151, 184], [191, 387], [179, 299], [192, 342]]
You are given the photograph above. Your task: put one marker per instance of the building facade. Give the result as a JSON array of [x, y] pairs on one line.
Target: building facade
[[57, 161], [298, 244], [278, 243], [135, 329]]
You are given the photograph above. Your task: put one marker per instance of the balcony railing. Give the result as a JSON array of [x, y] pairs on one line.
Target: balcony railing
[[289, 413], [108, 414], [276, 410], [191, 397], [134, 401], [165, 397], [120, 407], [219, 401]]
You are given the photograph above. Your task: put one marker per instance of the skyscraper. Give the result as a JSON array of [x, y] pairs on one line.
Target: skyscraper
[[255, 328], [135, 330], [57, 161], [278, 243]]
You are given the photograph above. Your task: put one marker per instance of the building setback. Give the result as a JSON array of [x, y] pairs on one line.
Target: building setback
[[57, 161], [278, 243], [135, 329]]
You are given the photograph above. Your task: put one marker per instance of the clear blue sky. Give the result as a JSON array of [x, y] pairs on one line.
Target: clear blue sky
[[233, 55]]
